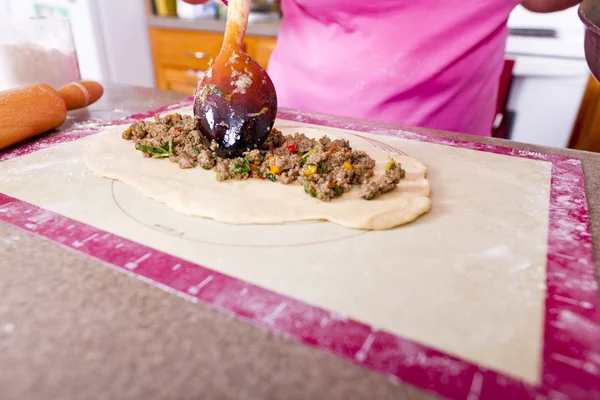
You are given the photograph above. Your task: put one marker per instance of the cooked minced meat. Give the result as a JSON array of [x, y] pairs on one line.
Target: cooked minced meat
[[325, 168], [172, 136], [392, 175]]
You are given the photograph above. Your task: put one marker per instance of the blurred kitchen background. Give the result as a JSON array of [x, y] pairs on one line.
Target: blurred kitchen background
[[546, 96]]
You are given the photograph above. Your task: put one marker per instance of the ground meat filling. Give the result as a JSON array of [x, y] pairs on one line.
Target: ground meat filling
[[325, 168], [392, 175]]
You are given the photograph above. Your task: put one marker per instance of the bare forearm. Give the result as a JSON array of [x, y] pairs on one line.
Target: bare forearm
[[545, 6]]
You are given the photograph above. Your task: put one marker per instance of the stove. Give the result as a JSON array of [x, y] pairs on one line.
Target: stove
[[550, 75]]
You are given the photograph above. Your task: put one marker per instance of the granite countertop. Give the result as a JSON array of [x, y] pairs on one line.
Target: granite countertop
[[75, 329]]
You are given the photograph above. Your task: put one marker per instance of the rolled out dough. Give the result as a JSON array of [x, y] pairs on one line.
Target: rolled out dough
[[196, 192]]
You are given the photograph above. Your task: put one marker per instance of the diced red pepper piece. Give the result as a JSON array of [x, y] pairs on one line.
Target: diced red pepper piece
[[292, 148]]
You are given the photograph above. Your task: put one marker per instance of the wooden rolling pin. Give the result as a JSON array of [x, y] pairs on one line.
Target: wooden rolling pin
[[30, 110]]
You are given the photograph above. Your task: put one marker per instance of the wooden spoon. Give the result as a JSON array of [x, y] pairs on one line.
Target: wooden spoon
[[235, 101]]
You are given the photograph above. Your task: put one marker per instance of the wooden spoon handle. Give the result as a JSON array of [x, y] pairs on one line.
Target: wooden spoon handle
[[80, 94], [237, 22]]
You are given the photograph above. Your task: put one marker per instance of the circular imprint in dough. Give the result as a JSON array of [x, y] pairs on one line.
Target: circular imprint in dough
[[151, 214]]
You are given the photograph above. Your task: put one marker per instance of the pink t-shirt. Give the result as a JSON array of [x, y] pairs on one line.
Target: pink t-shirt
[[429, 63]]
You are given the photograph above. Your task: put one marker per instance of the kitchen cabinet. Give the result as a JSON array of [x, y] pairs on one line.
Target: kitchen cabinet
[[586, 132], [260, 49], [181, 57]]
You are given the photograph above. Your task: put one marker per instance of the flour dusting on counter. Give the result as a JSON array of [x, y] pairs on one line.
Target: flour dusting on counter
[[8, 328]]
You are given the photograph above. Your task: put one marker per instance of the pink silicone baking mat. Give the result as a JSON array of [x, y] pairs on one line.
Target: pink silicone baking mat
[[571, 353]]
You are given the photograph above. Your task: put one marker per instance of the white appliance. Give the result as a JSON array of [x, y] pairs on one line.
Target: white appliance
[[111, 36], [550, 77]]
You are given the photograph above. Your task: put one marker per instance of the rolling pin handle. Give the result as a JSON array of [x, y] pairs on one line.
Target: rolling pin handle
[[80, 94]]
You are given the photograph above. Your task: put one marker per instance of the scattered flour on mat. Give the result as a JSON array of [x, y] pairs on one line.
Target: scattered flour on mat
[[10, 241], [8, 328], [86, 125], [583, 325]]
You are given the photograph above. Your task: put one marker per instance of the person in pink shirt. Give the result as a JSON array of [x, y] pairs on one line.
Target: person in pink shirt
[[429, 63]]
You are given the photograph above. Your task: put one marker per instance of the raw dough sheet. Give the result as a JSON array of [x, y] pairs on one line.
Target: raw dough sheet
[[196, 192], [467, 278]]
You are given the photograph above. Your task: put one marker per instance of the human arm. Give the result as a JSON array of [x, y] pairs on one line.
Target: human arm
[[546, 6]]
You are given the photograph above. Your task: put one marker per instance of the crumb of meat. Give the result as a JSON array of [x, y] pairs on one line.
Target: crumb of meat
[[223, 170], [325, 141], [303, 143], [290, 175], [254, 156], [393, 174], [317, 156], [363, 166], [326, 168], [274, 140], [205, 158]]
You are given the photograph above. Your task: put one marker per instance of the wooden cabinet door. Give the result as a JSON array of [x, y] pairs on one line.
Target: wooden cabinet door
[[259, 48], [586, 132], [184, 49], [180, 80], [180, 57]]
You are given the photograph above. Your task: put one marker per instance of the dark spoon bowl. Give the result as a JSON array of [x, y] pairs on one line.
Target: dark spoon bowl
[[589, 13]]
